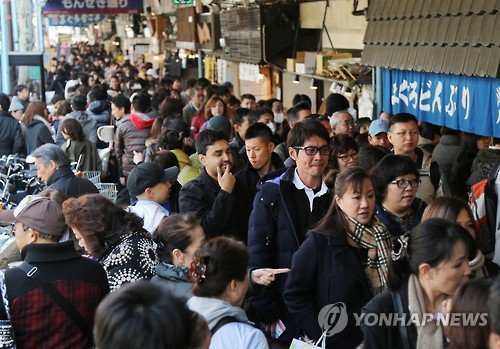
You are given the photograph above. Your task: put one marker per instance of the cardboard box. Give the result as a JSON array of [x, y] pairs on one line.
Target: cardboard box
[[290, 64], [305, 62]]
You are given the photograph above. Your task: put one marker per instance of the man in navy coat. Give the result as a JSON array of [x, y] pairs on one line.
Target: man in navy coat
[[288, 204]]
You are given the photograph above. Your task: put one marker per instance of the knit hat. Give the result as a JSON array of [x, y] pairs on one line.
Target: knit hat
[[219, 123]]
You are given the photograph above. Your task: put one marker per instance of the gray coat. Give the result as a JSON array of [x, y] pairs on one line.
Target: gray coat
[[446, 152]]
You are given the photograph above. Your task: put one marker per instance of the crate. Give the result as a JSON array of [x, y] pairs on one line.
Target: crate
[[93, 176], [109, 191]]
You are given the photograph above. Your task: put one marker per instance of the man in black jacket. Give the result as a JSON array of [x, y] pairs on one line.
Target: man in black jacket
[[217, 198], [261, 157], [53, 168], [11, 137], [289, 203]]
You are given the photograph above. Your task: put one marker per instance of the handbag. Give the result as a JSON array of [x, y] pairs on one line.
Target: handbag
[[7, 340]]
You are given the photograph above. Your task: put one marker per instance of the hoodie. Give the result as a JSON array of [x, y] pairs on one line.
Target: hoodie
[[240, 334], [100, 112], [89, 126], [214, 310], [141, 121]]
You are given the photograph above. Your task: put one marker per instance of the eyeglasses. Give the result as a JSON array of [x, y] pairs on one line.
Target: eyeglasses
[[314, 150], [348, 157], [404, 133], [403, 183]]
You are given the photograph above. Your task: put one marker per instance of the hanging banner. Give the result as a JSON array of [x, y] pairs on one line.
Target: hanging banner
[[249, 72], [83, 20], [92, 6], [470, 104]]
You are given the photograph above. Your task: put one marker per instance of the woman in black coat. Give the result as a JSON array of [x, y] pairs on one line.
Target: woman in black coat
[[331, 266], [428, 265]]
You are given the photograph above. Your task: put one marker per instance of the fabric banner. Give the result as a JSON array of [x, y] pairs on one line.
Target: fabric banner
[[83, 20], [470, 104], [92, 6]]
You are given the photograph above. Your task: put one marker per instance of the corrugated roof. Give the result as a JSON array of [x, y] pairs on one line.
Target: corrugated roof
[[459, 37]]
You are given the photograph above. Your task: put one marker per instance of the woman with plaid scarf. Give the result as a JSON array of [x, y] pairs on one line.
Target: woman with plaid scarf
[[342, 264]]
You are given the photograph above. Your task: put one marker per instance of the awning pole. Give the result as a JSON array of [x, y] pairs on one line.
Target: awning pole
[[5, 47]]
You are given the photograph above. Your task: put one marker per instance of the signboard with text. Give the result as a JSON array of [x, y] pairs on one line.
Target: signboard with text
[[83, 20], [92, 6], [470, 104]]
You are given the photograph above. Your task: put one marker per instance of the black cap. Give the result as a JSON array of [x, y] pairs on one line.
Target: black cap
[[147, 175]]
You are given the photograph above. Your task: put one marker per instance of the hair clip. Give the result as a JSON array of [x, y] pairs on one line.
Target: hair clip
[[161, 244], [197, 272], [403, 247]]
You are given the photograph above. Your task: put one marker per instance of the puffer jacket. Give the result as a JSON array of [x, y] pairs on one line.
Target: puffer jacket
[[89, 126], [37, 134], [131, 135], [100, 112]]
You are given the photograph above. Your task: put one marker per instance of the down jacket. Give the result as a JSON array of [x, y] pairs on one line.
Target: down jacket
[[131, 135]]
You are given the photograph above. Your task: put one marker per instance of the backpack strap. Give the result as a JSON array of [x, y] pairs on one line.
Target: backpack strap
[[33, 273], [398, 305], [222, 322]]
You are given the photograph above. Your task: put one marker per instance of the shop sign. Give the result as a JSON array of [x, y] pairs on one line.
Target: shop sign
[[249, 72], [92, 6], [470, 104], [83, 20]]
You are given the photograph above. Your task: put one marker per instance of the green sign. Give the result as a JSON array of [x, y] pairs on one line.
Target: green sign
[[183, 2]]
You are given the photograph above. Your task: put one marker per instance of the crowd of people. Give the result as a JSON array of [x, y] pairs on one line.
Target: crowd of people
[[238, 221]]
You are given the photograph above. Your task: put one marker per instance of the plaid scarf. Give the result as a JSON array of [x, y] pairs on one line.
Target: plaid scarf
[[377, 240]]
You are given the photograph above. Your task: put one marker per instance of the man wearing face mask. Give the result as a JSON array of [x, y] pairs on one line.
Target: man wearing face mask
[[216, 197], [265, 116]]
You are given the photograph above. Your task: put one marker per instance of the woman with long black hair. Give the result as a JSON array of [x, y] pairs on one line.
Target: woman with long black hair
[[427, 267]]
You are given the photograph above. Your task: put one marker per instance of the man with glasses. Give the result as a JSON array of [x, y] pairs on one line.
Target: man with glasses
[[403, 135], [289, 203], [343, 123]]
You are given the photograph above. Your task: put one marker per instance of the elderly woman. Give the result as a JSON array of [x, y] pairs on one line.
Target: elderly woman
[[397, 205], [112, 236]]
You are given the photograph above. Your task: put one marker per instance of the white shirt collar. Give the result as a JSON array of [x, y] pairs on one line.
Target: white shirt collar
[[309, 192]]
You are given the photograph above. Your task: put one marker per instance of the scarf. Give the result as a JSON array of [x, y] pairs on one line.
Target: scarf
[[377, 240], [477, 266], [430, 335], [45, 122]]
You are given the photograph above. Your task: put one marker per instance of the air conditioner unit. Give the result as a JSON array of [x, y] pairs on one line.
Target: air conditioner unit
[[259, 34]]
